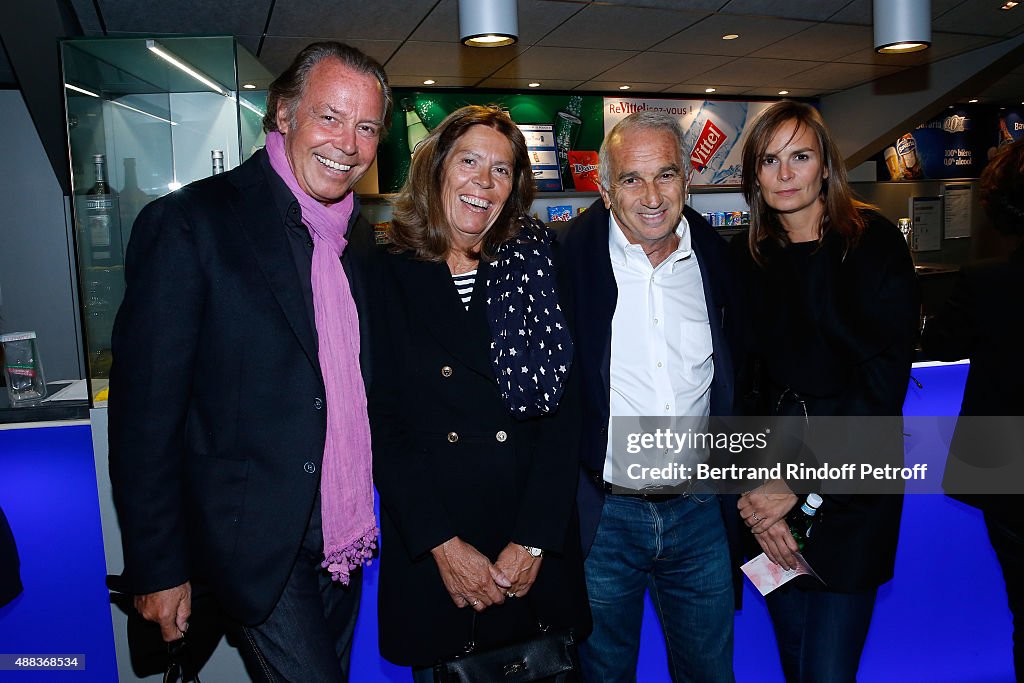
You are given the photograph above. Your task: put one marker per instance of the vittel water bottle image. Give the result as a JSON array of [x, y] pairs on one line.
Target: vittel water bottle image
[[711, 138]]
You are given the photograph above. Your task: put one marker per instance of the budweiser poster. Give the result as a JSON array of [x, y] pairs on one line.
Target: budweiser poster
[[714, 132]]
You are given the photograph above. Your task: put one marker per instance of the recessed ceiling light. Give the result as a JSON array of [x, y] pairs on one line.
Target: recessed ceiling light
[[972, 101], [623, 87], [1009, 5], [709, 90], [783, 92], [730, 36], [534, 85], [429, 81], [249, 86]]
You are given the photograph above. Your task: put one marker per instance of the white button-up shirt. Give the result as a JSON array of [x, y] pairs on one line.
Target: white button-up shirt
[[661, 355]]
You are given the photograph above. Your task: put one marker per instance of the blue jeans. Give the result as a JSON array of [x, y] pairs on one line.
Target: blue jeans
[[678, 550], [820, 634], [308, 636]]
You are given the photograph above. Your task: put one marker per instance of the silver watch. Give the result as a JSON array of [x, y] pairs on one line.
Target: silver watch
[[534, 552]]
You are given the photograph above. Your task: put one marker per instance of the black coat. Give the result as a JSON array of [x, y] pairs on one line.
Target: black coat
[[217, 418], [864, 304], [983, 320], [449, 460]]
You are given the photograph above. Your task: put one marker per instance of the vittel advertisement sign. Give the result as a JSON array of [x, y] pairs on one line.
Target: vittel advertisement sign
[[714, 132]]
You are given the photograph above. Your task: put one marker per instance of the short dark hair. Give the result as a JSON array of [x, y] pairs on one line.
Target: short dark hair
[[420, 223], [1001, 189], [288, 88], [842, 211]]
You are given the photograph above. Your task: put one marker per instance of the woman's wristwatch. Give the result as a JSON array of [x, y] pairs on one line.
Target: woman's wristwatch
[[534, 552]]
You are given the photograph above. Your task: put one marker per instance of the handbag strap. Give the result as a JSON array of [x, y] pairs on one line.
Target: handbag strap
[[470, 646]]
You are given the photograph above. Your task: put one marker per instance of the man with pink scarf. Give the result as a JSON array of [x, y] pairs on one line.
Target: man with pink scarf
[[239, 440]]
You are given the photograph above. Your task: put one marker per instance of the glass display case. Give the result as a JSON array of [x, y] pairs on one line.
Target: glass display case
[[146, 116]]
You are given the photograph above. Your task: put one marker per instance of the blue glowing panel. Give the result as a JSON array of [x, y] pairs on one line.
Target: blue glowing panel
[[48, 492]]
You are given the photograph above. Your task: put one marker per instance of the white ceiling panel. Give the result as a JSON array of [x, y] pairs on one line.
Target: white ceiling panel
[[861, 11], [619, 28], [982, 17], [562, 62], [835, 76], [449, 59], [774, 92], [346, 20], [811, 10], [663, 67], [753, 72], [821, 42], [226, 17], [441, 82], [692, 5], [536, 19], [279, 52], [611, 88], [754, 33], [699, 90], [524, 84]]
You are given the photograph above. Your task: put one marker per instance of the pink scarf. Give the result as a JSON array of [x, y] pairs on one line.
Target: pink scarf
[[346, 478]]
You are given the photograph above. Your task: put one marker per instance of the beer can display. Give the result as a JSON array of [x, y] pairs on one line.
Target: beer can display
[[910, 165]]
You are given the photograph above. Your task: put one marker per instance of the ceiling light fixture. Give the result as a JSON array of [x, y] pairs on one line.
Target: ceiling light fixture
[[171, 58], [488, 23], [974, 101], [534, 85], [902, 26], [730, 36], [90, 93], [623, 87], [709, 90], [249, 86], [1009, 5], [429, 81], [783, 92]]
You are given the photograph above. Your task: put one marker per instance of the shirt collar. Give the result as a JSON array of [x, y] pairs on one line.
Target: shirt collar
[[619, 246], [285, 202]]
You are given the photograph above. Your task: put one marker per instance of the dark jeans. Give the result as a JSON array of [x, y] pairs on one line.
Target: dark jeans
[[1008, 542], [678, 550], [308, 636], [820, 634]]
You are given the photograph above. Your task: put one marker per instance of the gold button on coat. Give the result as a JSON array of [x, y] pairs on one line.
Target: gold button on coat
[[453, 437], [446, 371], [501, 437]]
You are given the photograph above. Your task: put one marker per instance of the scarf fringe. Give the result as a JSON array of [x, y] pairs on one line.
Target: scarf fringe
[[340, 561]]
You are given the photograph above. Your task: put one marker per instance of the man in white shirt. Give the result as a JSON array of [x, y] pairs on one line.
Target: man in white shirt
[[649, 285]]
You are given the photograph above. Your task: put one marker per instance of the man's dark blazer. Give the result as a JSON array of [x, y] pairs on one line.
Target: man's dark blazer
[[590, 285], [217, 404]]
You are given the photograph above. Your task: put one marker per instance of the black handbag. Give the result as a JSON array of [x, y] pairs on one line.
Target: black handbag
[[548, 656]]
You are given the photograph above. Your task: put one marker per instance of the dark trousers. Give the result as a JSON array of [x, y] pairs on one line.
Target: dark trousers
[[308, 636], [820, 634], [1008, 542]]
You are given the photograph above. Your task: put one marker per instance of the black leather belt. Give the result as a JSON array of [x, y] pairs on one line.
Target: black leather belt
[[652, 494]]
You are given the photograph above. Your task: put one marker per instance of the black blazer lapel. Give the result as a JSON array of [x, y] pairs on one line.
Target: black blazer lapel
[[463, 333], [253, 206]]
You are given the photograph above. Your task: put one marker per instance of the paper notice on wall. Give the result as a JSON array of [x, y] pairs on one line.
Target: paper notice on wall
[[957, 211], [926, 214]]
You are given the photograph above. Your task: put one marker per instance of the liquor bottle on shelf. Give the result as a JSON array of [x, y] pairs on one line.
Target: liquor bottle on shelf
[[217, 158], [415, 129], [101, 217], [801, 520]]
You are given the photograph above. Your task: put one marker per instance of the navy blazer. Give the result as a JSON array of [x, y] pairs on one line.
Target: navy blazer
[[589, 282], [217, 412]]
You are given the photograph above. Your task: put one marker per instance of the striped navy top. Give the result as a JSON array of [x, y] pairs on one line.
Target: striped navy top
[[464, 285]]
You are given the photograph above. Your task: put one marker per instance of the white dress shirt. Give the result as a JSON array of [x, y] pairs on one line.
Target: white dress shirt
[[661, 352]]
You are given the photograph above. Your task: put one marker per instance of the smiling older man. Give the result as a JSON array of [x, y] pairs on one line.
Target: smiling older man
[[239, 440]]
